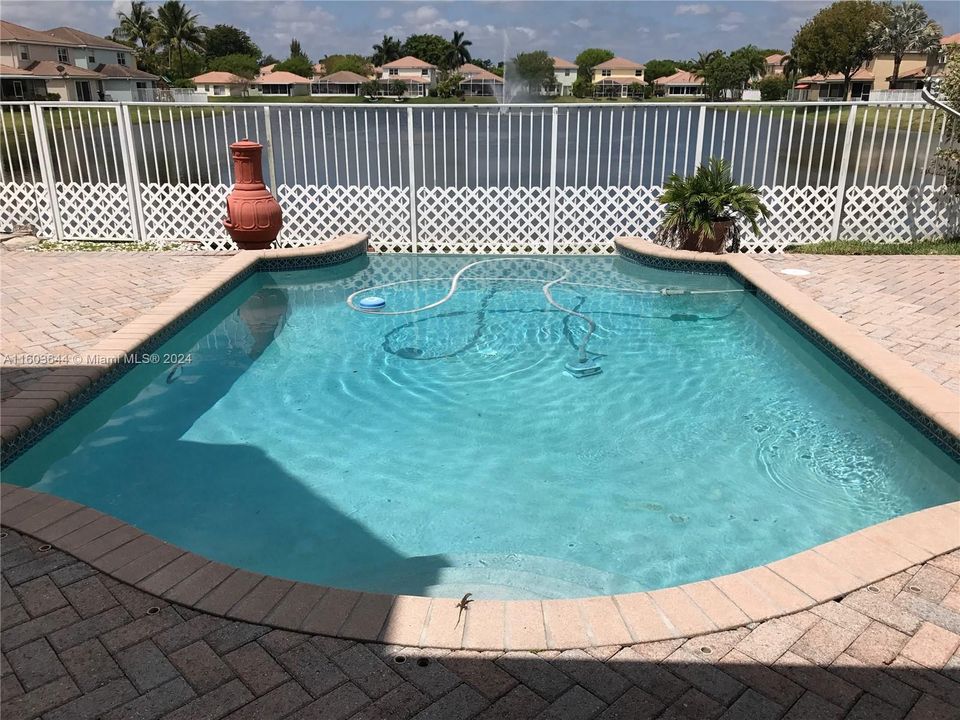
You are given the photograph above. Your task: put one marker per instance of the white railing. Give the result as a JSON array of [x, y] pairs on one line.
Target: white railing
[[170, 95], [529, 178], [884, 96]]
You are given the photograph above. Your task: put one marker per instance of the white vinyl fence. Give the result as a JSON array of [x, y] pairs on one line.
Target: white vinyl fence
[[473, 179]]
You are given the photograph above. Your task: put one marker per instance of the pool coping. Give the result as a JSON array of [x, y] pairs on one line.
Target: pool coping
[[782, 587], [785, 586]]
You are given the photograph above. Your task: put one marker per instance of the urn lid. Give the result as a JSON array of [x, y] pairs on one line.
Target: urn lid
[[245, 144]]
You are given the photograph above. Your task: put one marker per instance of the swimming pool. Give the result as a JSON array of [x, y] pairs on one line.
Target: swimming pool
[[449, 451]]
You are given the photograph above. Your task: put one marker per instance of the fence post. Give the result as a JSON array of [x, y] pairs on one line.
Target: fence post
[[701, 127], [844, 167], [411, 178], [46, 166], [131, 171], [268, 149], [555, 124]]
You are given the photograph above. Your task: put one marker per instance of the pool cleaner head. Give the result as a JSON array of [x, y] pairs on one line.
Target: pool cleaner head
[[583, 368], [371, 302]]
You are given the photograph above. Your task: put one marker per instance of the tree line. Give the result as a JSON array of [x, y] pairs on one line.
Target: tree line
[[169, 41]]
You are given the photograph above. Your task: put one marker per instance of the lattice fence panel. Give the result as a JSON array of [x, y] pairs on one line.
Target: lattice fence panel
[[589, 218], [95, 211], [315, 213], [798, 215], [483, 220], [185, 212], [22, 203], [893, 214]]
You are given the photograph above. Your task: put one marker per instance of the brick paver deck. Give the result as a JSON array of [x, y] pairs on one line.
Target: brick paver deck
[[79, 644], [908, 304], [57, 304]]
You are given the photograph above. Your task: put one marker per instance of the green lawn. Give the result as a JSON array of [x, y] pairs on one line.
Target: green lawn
[[352, 100], [949, 246], [93, 117]]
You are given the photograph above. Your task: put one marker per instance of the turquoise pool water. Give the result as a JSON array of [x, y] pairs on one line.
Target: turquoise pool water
[[448, 451]]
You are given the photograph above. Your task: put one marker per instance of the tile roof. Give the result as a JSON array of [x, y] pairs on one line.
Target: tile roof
[[344, 77], [217, 77], [619, 63], [281, 77], [475, 72], [774, 59], [919, 73], [860, 74], [110, 70], [48, 69], [6, 70], [84, 39], [951, 39], [11, 32], [619, 81], [408, 62], [680, 77], [561, 64]]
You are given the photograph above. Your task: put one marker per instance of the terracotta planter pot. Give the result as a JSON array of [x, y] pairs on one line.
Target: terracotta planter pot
[[253, 214], [701, 242]]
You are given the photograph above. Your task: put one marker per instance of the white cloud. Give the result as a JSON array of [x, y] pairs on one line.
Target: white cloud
[[423, 14], [695, 9], [731, 21], [582, 23], [385, 13], [672, 36]]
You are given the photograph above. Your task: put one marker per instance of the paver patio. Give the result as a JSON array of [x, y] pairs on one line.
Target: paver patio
[[909, 304], [57, 304], [79, 644]]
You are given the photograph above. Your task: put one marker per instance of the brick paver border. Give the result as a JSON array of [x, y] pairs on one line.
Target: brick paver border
[[786, 586]]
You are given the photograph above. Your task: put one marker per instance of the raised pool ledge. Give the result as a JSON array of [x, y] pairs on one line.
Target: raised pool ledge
[[928, 406], [782, 587], [31, 414]]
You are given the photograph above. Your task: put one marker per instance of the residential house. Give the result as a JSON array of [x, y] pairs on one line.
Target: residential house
[[343, 82], [936, 63], [221, 84], [565, 73], [876, 75], [70, 63], [680, 84], [773, 64], [478, 82], [617, 77], [282, 83], [419, 76]]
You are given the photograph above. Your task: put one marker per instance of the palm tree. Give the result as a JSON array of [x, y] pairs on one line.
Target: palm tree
[[137, 24], [703, 60], [699, 66], [176, 28], [791, 68], [907, 28], [458, 50], [386, 51]]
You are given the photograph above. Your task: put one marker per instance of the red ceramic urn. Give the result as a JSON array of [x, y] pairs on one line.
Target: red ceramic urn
[[253, 214]]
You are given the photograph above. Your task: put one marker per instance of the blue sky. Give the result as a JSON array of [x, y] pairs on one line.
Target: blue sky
[[637, 30]]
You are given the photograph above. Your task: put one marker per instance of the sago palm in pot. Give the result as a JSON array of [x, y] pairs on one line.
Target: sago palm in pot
[[703, 209]]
